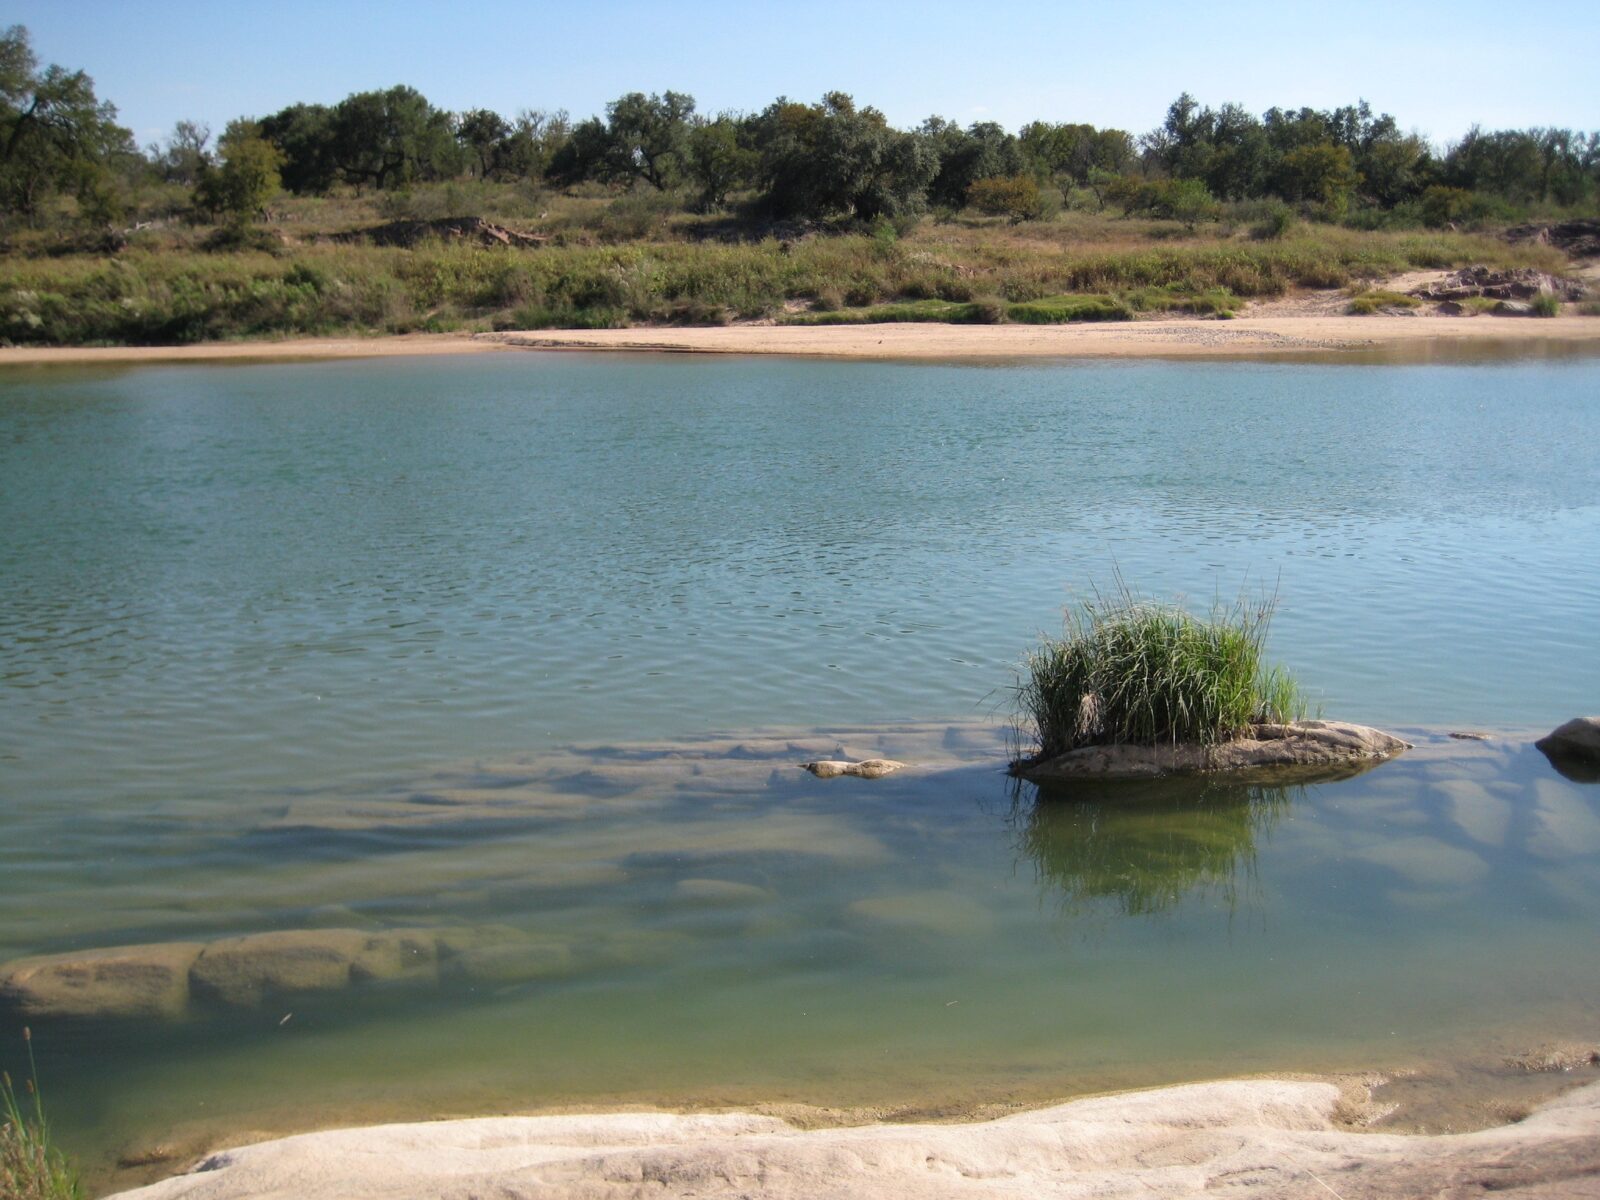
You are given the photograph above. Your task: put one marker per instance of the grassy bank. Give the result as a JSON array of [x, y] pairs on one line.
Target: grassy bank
[[163, 290]]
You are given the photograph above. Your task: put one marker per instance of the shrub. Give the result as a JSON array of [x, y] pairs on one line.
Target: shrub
[[1545, 304], [1368, 303], [1129, 670], [1055, 310], [1013, 196], [1274, 224]]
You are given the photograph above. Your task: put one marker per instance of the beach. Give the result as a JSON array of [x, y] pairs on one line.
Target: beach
[[1274, 336]]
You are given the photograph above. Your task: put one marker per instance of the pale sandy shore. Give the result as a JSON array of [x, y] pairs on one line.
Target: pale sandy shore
[[1252, 336], [1289, 336], [1245, 1139]]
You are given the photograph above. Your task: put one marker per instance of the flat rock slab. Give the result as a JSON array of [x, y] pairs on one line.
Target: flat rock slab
[[1247, 1139], [1304, 749], [869, 768]]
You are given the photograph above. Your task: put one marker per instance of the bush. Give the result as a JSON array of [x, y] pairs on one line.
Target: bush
[[1056, 310], [1013, 196], [1371, 302], [1131, 671], [1274, 224], [1545, 304]]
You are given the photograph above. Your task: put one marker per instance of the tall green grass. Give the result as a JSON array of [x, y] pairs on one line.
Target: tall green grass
[[1129, 670], [31, 1167]]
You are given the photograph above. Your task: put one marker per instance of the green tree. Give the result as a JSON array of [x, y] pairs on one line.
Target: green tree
[[983, 151], [830, 159], [482, 132], [247, 178], [304, 134], [54, 133], [718, 161], [649, 136], [391, 138], [185, 153], [1323, 173]]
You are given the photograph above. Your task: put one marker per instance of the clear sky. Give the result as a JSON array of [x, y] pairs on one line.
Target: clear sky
[[1438, 67]]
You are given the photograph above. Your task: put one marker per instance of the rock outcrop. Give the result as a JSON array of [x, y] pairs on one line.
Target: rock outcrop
[[1303, 748], [1580, 238], [1522, 283], [1243, 1139], [1578, 738], [1574, 749]]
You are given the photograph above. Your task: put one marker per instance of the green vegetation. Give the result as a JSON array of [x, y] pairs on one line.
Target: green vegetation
[[1546, 304], [179, 285], [31, 1167], [1132, 671], [1368, 302]]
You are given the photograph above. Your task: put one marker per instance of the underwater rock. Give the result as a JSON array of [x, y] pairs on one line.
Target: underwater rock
[[125, 981], [242, 971], [720, 891], [1301, 748], [867, 768]]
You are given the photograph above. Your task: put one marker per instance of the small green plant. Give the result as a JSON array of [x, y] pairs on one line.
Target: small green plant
[[1545, 304], [1129, 670], [31, 1167], [1367, 303]]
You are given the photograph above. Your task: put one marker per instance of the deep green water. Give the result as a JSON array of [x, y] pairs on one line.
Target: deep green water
[[241, 606]]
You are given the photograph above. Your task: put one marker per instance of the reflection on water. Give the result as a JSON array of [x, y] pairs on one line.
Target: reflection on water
[[1142, 846]]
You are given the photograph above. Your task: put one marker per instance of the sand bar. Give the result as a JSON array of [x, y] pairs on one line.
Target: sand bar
[[1410, 338], [1248, 336]]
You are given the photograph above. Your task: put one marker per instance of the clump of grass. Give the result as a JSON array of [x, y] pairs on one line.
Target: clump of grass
[[1373, 301], [1546, 304], [1129, 670], [31, 1167], [1055, 310]]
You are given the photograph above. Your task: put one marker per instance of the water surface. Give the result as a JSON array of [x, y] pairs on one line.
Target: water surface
[[241, 604]]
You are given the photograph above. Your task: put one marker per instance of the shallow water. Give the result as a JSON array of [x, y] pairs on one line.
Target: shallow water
[[302, 647]]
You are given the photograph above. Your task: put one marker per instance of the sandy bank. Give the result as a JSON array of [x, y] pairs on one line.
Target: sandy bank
[[294, 348], [1131, 339], [1241, 1138], [1409, 338]]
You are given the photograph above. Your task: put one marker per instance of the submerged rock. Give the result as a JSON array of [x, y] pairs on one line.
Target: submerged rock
[[243, 971], [163, 980], [1301, 748], [126, 981], [867, 768]]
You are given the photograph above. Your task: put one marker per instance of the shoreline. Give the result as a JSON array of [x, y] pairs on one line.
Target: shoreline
[[1331, 337], [1257, 1136]]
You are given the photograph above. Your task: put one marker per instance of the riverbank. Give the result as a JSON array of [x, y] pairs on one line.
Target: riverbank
[[1254, 1138], [1293, 336]]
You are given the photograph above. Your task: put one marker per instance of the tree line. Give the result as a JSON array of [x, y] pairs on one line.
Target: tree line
[[816, 161]]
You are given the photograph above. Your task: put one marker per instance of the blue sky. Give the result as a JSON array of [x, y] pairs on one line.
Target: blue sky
[[1438, 67]]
